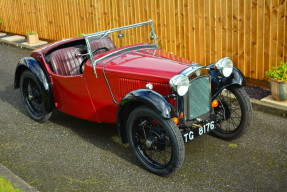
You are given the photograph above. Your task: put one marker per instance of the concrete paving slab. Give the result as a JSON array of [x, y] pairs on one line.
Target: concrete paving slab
[[269, 99], [2, 34], [269, 107], [13, 38], [36, 44]]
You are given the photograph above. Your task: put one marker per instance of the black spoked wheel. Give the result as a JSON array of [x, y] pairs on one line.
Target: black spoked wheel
[[234, 113], [156, 142], [33, 97]]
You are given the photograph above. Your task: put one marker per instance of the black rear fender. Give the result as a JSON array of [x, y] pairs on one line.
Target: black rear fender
[[137, 98], [29, 63]]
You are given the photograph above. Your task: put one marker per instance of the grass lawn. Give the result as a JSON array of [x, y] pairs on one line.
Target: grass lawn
[[6, 186]]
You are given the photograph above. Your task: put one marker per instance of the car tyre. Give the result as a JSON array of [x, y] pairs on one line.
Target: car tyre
[[234, 113], [34, 97], [156, 142]]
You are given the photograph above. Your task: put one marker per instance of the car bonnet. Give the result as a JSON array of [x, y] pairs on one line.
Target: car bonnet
[[150, 63]]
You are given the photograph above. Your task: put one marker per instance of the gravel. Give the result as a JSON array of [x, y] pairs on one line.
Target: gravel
[[257, 92]]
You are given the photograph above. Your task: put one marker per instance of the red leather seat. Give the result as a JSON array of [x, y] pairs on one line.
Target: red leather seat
[[104, 42], [65, 62]]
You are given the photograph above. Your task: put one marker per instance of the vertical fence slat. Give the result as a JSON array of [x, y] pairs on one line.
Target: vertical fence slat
[[274, 37], [267, 30], [241, 30], [260, 40], [281, 21], [253, 40]]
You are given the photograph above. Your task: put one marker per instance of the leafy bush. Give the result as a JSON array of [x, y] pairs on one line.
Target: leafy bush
[[278, 73], [31, 33]]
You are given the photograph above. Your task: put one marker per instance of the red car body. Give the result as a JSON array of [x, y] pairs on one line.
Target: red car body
[[157, 100], [88, 97]]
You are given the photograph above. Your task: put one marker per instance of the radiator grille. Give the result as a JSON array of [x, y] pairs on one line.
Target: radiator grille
[[198, 97]]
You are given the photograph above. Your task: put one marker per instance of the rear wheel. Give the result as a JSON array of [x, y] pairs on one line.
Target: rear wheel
[[234, 113], [34, 97], [156, 142]]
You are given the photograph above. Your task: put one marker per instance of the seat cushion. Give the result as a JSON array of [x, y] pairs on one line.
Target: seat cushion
[[104, 42], [65, 62]]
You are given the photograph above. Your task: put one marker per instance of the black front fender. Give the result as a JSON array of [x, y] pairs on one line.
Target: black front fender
[[151, 99], [219, 82], [137, 98], [34, 66]]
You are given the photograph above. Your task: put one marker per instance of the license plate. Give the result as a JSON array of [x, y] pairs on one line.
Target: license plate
[[197, 132]]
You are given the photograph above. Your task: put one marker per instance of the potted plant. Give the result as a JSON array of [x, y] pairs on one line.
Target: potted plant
[[32, 37], [278, 81]]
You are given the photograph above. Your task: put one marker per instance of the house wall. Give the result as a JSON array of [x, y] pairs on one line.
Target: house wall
[[253, 33]]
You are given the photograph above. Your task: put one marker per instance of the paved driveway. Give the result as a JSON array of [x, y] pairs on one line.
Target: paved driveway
[[69, 154]]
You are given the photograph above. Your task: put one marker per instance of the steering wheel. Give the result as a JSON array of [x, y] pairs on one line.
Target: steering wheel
[[88, 56]]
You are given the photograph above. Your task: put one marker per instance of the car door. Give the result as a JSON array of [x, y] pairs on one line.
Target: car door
[[72, 97]]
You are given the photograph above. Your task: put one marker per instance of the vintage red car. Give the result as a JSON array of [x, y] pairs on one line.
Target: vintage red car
[[158, 101]]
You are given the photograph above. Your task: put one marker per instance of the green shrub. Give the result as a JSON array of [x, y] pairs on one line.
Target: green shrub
[[278, 73]]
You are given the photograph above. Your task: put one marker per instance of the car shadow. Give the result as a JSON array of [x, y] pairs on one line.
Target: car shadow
[[102, 135], [12, 96]]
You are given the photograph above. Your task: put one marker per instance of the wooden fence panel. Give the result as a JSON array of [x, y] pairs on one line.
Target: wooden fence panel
[[252, 32]]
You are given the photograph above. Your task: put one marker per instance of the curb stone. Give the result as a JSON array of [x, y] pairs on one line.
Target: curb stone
[[269, 108], [15, 180]]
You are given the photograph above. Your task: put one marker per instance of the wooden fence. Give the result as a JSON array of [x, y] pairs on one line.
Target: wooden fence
[[253, 33]]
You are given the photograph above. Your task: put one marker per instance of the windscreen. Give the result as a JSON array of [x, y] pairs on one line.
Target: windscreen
[[121, 37]]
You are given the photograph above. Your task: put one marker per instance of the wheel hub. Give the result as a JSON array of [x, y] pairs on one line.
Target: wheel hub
[[148, 143], [30, 97]]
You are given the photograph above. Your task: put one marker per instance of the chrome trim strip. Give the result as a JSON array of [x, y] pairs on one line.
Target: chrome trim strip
[[91, 55], [110, 88], [153, 35], [191, 69], [118, 29]]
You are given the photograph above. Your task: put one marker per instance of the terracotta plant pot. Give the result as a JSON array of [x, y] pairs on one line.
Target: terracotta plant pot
[[33, 39], [278, 90]]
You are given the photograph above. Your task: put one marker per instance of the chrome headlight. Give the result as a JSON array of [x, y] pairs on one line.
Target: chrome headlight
[[179, 84], [225, 66]]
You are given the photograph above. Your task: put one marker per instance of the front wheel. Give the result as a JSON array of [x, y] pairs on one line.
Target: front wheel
[[156, 142], [234, 113]]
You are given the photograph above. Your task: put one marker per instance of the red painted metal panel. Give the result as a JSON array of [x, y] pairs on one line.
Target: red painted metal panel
[[72, 97]]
